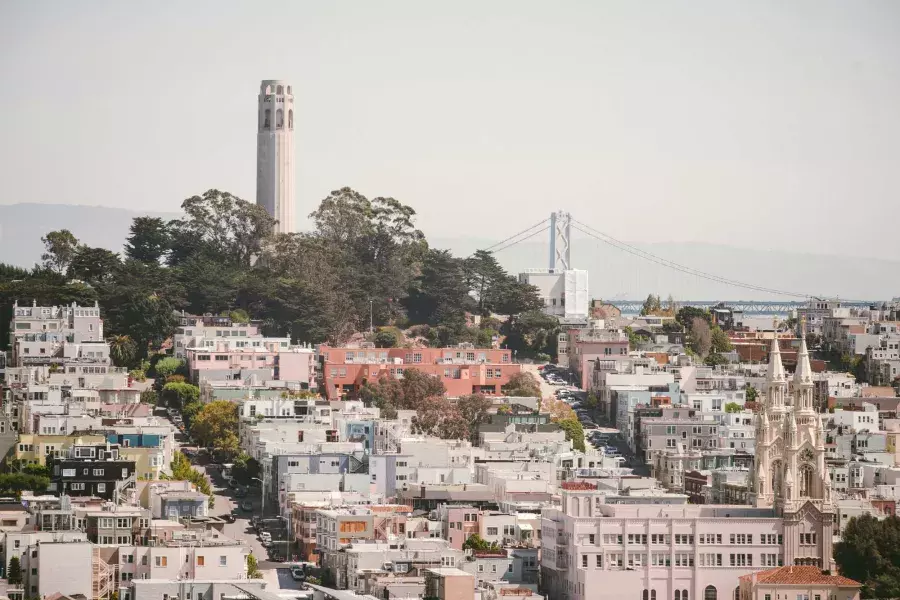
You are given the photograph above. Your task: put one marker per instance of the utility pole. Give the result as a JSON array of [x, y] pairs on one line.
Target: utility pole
[[371, 326]]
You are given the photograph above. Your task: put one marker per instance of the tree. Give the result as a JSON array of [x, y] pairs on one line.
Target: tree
[[149, 240], [719, 340], [245, 468], [714, 360], [495, 290], [386, 339], [557, 409], [652, 305], [183, 471], [417, 386], [253, 571], [751, 393], [61, 248], [148, 320], [574, 432], [476, 543], [869, 552], [440, 296], [189, 411], [686, 315], [473, 410], [591, 401], [439, 417], [216, 425], [222, 225], [167, 366], [700, 338], [523, 384], [122, 350], [94, 265], [149, 396], [13, 484], [179, 394], [14, 572], [635, 340], [531, 333], [732, 407]]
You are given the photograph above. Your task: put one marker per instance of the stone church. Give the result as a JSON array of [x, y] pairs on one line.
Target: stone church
[[790, 474]]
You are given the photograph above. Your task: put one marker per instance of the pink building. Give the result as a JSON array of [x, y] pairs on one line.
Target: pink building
[[269, 362], [463, 370], [460, 524], [587, 345], [663, 548]]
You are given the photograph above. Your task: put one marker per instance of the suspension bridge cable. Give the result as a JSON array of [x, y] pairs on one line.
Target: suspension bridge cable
[[607, 239], [528, 237], [501, 242]]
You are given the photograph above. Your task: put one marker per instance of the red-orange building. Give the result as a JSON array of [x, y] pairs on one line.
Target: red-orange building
[[463, 369]]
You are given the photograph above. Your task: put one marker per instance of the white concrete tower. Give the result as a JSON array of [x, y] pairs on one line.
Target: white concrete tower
[[275, 153]]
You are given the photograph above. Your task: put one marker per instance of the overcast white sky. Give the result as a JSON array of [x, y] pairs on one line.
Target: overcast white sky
[[765, 124]]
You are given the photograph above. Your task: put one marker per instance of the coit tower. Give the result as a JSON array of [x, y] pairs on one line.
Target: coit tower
[[275, 153]]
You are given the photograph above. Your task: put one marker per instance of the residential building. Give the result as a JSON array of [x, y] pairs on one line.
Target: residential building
[[462, 369], [92, 470]]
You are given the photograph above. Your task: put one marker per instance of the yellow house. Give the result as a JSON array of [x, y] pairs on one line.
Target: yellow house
[[148, 462], [35, 447]]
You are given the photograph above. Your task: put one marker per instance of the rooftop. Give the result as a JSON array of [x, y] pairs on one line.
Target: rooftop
[[796, 575]]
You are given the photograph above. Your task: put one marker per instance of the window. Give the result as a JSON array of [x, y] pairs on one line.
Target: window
[[492, 531], [77, 486], [201, 561], [584, 560], [101, 487], [599, 561], [591, 539], [223, 561], [162, 561], [98, 473]]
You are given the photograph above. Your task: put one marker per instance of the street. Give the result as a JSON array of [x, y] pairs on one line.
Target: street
[[277, 574]]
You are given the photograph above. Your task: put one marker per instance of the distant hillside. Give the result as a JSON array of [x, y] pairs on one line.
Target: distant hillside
[[613, 274], [23, 225]]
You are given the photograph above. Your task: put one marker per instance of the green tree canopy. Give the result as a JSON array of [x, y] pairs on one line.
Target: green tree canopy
[[869, 552], [178, 394], [216, 425], [523, 384], [61, 247]]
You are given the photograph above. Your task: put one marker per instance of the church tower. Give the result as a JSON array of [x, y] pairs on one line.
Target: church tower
[[791, 475], [275, 153]]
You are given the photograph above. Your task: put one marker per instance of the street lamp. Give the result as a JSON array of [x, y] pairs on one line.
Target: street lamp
[[262, 483]]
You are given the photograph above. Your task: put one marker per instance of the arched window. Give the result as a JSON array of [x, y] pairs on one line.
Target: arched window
[[806, 480], [291, 118], [737, 593], [652, 594], [677, 594], [279, 89], [684, 595], [645, 595], [267, 122], [710, 593], [289, 90], [279, 119]]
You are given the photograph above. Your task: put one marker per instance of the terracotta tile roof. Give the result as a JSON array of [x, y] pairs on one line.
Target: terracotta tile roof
[[797, 575], [578, 485]]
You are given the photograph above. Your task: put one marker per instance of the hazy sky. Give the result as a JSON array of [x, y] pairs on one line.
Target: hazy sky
[[765, 124]]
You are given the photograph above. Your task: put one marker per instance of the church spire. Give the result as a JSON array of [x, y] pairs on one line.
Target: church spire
[[776, 369], [803, 374]]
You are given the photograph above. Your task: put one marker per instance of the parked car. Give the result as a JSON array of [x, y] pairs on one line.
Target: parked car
[[297, 573], [240, 491], [246, 505], [265, 538]]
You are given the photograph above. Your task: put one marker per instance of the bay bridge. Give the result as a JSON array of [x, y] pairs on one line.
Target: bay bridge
[[748, 307], [559, 224]]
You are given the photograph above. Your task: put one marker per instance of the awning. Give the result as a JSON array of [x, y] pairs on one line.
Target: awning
[[526, 527]]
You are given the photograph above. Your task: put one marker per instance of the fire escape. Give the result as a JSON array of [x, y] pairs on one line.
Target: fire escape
[[105, 577]]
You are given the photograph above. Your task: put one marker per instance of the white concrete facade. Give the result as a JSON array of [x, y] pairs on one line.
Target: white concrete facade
[[275, 153]]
